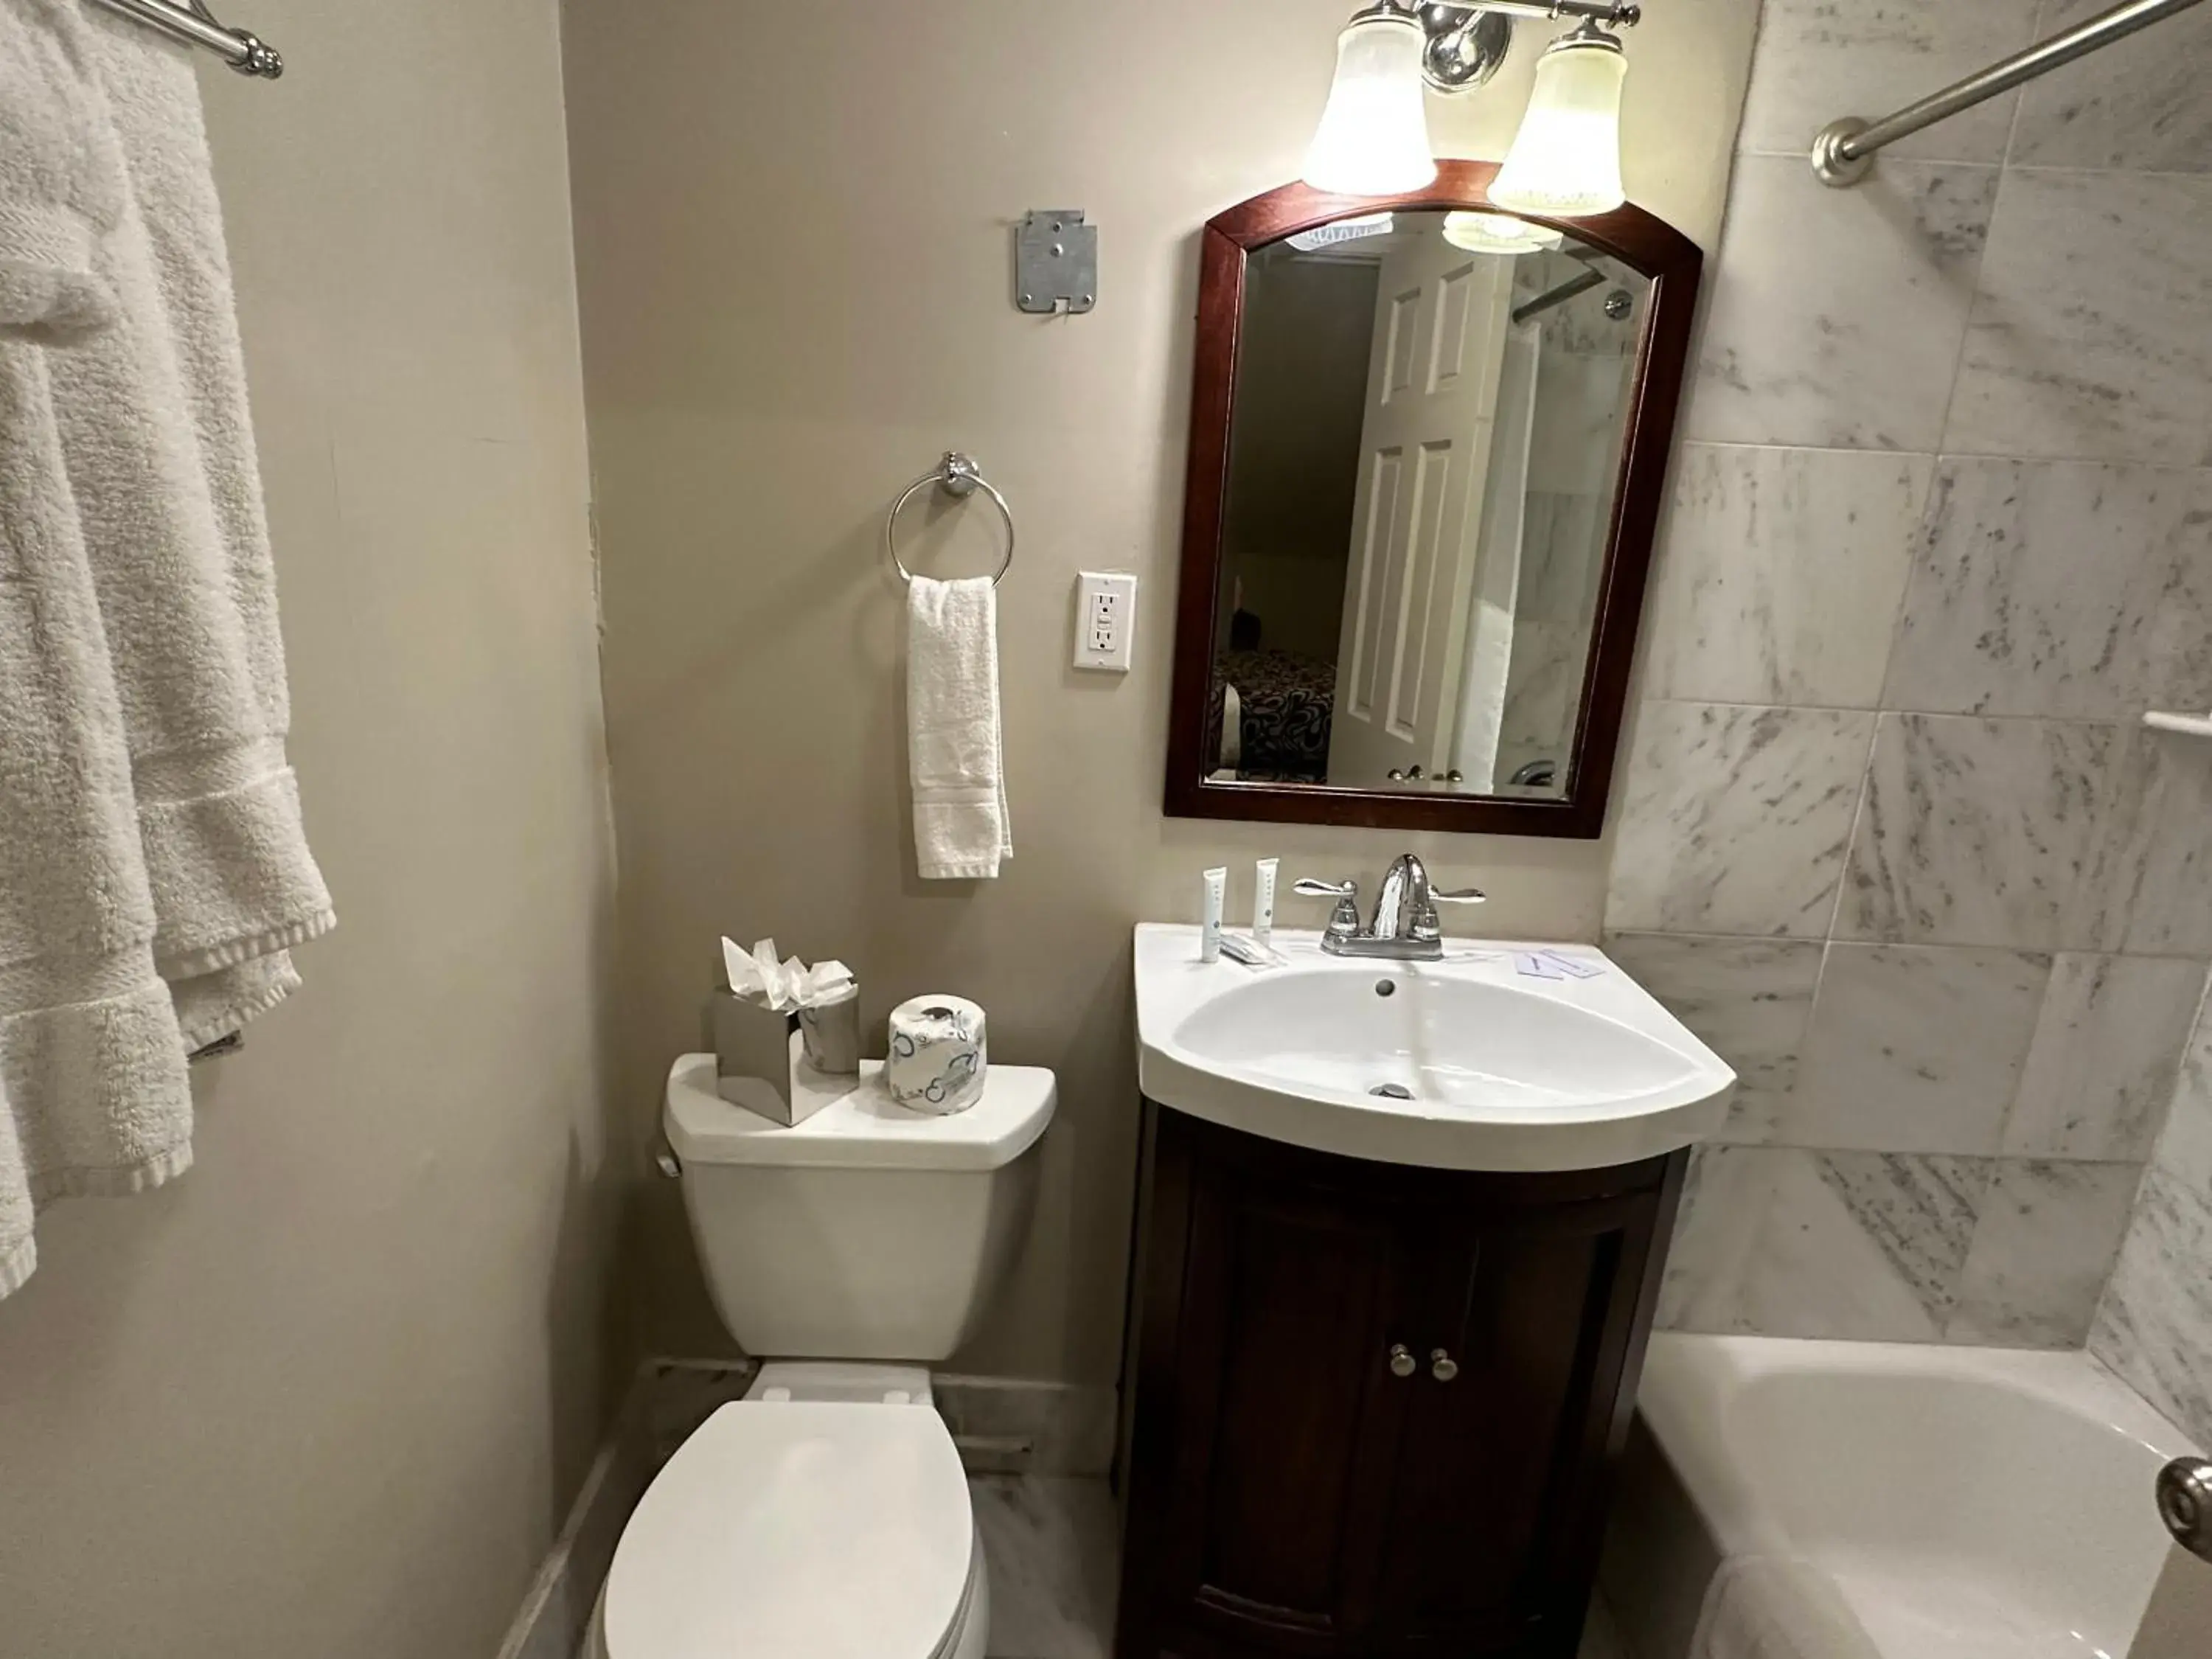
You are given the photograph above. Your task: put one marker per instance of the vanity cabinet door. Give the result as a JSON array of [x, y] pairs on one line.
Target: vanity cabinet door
[[1490, 1534], [1285, 1411], [1372, 1404]]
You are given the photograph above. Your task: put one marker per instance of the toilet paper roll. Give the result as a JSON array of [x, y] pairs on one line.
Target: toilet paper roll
[[936, 1056]]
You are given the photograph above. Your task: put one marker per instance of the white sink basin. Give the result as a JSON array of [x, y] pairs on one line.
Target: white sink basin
[[1463, 1064]]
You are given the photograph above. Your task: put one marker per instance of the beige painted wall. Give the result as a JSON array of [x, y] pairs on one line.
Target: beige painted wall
[[329, 1394], [793, 249]]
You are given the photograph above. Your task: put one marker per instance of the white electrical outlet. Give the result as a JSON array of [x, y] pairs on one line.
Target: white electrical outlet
[[1105, 619]]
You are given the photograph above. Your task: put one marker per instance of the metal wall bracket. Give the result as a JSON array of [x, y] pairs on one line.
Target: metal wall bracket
[[1056, 261]]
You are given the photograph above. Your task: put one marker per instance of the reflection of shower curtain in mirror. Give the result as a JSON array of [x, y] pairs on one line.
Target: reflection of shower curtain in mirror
[[1498, 564]]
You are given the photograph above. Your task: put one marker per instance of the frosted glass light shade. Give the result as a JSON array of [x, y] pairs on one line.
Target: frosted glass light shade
[[1373, 139], [1565, 160], [1498, 232]]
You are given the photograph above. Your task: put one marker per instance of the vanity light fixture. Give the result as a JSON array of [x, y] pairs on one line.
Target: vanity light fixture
[[1565, 160], [1373, 139]]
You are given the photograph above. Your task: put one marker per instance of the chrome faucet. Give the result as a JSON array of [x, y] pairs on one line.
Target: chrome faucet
[[1405, 927]]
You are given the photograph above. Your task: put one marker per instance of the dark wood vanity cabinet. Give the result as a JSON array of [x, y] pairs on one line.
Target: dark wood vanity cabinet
[[1374, 1406]]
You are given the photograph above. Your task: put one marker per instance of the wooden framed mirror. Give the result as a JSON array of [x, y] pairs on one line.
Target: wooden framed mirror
[[1428, 443]]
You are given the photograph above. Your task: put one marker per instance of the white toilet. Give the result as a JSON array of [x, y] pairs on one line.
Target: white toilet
[[825, 1516]]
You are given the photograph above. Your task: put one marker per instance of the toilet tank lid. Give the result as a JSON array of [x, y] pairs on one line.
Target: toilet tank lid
[[863, 1130]]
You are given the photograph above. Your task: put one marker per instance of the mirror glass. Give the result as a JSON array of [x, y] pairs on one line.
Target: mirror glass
[[1424, 449]]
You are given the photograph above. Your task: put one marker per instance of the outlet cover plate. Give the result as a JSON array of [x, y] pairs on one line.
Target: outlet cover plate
[[1105, 619]]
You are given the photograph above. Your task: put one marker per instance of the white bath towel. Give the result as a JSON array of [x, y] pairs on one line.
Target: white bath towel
[[60, 182], [159, 445], [93, 1093], [211, 1006], [955, 755], [1766, 1606]]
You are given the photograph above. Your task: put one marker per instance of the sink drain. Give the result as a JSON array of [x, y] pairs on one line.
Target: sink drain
[[1392, 1092]]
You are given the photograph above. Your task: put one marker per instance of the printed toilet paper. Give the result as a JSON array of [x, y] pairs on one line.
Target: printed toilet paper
[[937, 1055]]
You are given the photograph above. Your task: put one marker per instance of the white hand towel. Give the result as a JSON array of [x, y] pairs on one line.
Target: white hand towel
[[956, 755], [159, 444], [93, 1093], [61, 183]]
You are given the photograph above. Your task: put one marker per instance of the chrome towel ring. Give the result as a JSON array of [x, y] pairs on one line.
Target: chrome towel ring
[[957, 476]]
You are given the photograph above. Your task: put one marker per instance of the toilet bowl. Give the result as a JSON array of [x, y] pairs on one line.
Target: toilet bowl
[[826, 1515]]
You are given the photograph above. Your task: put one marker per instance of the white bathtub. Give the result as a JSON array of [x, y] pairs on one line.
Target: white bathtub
[[1968, 1503]]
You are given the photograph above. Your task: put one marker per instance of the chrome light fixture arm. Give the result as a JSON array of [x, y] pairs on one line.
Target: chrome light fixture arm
[[1373, 137], [1466, 45]]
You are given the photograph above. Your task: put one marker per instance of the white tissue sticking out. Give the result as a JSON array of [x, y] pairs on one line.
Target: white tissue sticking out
[[782, 986]]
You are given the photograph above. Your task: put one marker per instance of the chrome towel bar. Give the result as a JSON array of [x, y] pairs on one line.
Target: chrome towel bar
[[191, 22]]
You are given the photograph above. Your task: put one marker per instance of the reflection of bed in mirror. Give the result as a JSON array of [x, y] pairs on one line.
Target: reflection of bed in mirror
[[1282, 700]]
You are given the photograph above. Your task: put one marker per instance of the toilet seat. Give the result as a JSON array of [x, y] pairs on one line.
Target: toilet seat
[[804, 1529]]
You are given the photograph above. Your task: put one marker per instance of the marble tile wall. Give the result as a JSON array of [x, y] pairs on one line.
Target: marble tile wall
[[2154, 1325], [1892, 836]]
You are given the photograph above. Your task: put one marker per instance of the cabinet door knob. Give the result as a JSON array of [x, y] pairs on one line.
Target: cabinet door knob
[[1402, 1363], [1442, 1365]]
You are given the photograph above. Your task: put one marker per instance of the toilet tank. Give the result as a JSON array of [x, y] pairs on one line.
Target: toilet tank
[[869, 1231]]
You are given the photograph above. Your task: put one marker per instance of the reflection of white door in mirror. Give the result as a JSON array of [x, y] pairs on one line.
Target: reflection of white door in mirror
[[1442, 319]]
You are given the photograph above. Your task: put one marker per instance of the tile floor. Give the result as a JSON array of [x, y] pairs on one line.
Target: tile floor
[[1052, 1541], [1052, 1545], [1052, 1548]]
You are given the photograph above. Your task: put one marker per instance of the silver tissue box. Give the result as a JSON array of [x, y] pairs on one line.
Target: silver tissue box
[[758, 1050]]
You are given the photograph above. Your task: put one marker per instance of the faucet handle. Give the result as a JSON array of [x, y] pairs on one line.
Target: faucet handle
[[1344, 920], [1427, 924]]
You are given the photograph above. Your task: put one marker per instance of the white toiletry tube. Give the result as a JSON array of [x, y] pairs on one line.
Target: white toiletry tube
[[1263, 902], [1209, 931]]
